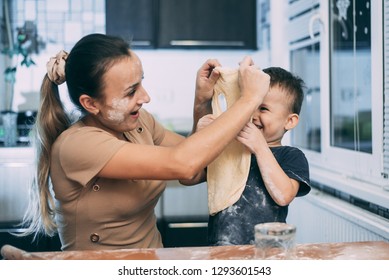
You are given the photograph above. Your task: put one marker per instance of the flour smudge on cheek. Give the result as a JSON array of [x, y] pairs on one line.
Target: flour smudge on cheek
[[119, 109]]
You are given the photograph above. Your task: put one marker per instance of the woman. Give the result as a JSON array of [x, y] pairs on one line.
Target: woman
[[107, 170]]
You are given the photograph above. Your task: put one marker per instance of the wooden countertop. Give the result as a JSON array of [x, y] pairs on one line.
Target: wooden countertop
[[372, 250]]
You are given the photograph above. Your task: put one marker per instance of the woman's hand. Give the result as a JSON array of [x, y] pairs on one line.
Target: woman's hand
[[253, 82], [206, 79], [205, 121]]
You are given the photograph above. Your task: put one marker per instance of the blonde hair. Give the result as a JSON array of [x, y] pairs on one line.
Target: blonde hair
[[51, 121]]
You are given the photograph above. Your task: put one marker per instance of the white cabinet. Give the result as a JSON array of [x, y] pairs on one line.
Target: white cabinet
[[16, 171]]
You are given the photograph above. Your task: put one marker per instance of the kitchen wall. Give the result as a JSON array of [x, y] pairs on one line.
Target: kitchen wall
[[170, 80], [169, 74]]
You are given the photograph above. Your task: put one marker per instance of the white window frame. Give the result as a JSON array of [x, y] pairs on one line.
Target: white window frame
[[355, 173]]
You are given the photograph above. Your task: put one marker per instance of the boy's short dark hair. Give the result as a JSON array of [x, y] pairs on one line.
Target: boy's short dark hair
[[292, 84]]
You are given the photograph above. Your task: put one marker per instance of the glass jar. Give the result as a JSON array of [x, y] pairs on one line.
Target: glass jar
[[274, 241]]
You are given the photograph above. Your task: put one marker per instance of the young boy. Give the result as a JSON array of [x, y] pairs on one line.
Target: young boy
[[277, 173]]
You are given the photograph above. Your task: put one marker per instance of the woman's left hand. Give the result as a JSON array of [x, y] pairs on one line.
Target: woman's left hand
[[206, 79]]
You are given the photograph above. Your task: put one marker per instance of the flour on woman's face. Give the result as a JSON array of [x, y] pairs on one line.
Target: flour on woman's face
[[119, 109]]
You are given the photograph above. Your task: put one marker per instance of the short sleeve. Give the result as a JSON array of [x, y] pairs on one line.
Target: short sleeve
[[85, 151], [295, 165]]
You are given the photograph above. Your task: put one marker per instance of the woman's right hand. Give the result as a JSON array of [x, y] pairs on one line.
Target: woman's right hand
[[253, 82]]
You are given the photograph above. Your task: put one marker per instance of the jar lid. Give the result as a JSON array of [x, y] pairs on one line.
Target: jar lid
[[275, 229]]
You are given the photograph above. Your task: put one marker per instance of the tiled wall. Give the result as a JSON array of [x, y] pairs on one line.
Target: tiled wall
[[62, 22]]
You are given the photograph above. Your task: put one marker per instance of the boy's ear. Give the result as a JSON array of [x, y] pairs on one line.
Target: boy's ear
[[292, 121], [89, 104]]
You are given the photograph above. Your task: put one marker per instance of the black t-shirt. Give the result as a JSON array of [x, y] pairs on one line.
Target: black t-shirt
[[235, 224]]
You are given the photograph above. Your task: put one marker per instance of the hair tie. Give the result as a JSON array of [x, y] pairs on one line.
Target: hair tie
[[56, 68]]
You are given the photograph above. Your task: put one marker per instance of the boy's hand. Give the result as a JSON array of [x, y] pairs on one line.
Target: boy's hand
[[205, 121], [251, 137]]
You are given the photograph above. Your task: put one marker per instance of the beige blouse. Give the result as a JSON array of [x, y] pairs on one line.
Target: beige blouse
[[98, 213]]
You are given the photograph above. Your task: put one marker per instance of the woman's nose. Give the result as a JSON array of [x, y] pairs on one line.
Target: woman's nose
[[144, 97]]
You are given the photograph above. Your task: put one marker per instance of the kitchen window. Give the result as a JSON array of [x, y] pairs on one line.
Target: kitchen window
[[306, 63], [350, 75], [339, 54]]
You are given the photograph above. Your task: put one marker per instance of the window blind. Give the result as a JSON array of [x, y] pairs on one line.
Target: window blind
[[386, 89]]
